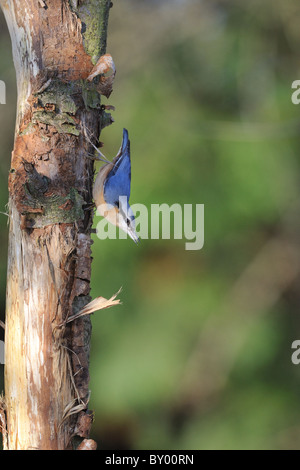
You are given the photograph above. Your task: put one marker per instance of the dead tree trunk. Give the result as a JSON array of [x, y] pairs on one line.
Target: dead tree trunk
[[55, 44]]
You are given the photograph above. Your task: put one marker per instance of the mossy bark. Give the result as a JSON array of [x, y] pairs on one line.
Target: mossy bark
[[50, 196]]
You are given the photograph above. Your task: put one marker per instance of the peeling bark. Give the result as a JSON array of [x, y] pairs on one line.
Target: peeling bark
[[50, 192]]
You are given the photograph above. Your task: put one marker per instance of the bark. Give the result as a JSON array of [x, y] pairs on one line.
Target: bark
[[55, 45]]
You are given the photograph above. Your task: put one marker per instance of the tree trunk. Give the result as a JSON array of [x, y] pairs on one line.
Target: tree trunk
[[55, 44]]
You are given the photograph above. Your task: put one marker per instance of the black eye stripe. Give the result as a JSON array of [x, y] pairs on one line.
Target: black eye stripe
[[128, 220]]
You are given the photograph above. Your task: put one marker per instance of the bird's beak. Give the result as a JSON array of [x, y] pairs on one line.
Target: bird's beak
[[133, 235]]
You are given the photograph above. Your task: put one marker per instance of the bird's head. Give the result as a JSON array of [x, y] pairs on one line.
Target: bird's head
[[125, 219]]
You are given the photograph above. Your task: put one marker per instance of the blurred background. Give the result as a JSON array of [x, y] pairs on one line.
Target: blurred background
[[198, 356]]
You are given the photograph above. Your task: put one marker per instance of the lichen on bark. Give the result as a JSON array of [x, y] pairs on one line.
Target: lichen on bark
[[53, 209], [94, 19]]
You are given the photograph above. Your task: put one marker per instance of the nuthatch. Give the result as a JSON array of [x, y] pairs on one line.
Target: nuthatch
[[112, 190]]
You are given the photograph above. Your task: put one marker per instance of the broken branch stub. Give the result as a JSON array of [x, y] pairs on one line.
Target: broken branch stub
[[100, 303], [104, 65]]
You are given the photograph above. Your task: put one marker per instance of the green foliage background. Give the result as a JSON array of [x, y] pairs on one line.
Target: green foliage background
[[198, 356]]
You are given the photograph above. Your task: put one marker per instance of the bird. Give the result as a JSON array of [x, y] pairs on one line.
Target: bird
[[111, 189]]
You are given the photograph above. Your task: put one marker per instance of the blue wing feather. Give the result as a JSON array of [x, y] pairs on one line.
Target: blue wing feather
[[119, 178]]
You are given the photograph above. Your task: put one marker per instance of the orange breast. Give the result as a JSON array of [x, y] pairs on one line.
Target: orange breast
[[98, 190]]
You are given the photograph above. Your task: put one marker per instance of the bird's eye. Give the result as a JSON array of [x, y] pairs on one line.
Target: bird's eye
[[128, 222]]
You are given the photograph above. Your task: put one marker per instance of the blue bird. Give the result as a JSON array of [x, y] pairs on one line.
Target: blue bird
[[111, 190]]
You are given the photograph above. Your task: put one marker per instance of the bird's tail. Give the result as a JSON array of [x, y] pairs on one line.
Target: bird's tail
[[125, 147], [125, 142]]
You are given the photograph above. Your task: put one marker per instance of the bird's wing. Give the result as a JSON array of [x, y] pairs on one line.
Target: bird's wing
[[119, 178]]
